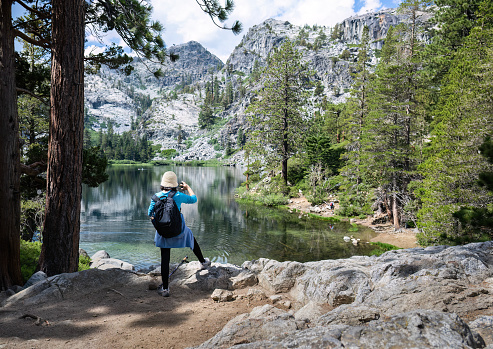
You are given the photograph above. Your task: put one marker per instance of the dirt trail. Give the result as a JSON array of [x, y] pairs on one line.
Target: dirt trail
[[404, 238], [123, 317]]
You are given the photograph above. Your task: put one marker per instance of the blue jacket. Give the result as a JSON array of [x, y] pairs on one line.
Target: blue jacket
[[179, 197]]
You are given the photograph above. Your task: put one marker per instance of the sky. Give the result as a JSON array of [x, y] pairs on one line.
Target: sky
[[184, 21]]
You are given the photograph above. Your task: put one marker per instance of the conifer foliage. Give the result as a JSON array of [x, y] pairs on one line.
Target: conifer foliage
[[451, 189], [278, 109]]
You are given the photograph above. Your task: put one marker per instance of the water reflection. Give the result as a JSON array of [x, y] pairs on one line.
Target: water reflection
[[114, 218]]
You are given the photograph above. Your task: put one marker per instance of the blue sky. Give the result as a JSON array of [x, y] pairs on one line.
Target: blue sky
[[184, 21]]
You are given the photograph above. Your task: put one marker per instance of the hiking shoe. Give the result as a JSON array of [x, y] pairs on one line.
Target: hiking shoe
[[163, 291], [206, 264]]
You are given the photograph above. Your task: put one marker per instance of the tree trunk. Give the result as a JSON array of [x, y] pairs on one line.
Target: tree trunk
[[10, 200], [60, 249], [395, 206], [285, 149]]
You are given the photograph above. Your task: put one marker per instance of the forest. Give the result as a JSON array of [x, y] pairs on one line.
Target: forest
[[413, 141]]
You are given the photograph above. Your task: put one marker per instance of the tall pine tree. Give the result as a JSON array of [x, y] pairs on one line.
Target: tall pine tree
[[454, 164], [278, 110], [392, 135]]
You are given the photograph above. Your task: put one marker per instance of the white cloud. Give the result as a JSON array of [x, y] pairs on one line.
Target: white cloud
[[369, 6], [184, 21], [93, 49]]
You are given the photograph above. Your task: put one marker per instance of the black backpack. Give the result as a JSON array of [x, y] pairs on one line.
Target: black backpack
[[167, 217]]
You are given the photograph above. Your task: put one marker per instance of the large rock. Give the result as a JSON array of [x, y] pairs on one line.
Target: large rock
[[280, 277], [262, 323], [408, 299], [216, 276], [245, 279], [453, 279], [191, 275], [484, 327], [108, 263], [268, 327], [101, 254], [74, 285], [35, 278]]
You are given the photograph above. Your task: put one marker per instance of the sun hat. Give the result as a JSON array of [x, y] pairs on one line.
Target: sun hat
[[169, 180]]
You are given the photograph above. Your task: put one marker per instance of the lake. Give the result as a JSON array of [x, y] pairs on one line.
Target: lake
[[114, 218]]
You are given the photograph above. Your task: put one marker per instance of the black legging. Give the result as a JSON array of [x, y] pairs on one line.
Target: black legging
[[165, 256]]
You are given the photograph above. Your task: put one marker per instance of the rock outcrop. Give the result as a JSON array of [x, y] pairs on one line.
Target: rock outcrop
[[378, 24], [435, 297], [415, 298]]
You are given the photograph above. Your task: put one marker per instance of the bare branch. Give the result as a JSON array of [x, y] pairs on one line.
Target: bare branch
[[41, 99], [42, 43], [30, 9], [33, 170]]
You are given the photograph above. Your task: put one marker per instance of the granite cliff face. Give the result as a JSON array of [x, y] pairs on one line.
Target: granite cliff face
[[378, 24], [112, 96], [167, 109]]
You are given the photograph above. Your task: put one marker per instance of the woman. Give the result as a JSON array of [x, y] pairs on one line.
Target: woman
[[185, 239]]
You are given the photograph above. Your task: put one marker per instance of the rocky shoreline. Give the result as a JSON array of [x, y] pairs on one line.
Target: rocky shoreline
[[435, 297]]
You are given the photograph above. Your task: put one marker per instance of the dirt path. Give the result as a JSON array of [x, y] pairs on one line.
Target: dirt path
[[404, 238], [124, 317]]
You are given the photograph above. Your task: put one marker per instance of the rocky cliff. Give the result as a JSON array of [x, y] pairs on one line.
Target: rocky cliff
[[171, 107], [378, 24]]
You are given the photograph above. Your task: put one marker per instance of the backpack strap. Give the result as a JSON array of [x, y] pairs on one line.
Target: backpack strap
[[171, 193]]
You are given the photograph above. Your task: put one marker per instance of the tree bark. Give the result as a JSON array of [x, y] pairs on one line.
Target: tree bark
[[395, 204], [60, 250], [285, 149], [10, 201]]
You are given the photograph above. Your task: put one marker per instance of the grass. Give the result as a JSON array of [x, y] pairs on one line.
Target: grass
[[30, 252], [381, 248]]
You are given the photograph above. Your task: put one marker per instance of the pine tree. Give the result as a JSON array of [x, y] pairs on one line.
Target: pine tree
[[453, 166], [279, 107], [393, 132], [356, 112], [206, 116], [454, 20]]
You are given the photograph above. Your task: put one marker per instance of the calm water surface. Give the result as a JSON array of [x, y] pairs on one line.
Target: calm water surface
[[114, 218]]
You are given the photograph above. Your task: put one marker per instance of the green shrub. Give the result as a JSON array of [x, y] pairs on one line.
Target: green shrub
[[169, 153], [30, 252], [349, 210], [275, 199], [84, 263], [296, 170], [345, 54], [123, 162], [381, 248]]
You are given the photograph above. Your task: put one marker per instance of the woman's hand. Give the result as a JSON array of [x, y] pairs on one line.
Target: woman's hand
[[186, 187]]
